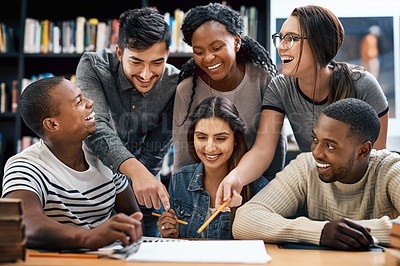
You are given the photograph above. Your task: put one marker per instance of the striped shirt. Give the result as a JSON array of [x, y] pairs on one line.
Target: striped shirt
[[298, 192], [84, 199]]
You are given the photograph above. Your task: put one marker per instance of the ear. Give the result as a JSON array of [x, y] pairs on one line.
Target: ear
[[364, 150], [238, 42], [50, 125], [119, 52], [168, 50]]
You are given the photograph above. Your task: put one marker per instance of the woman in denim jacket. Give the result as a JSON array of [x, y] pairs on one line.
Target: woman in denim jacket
[[217, 142]]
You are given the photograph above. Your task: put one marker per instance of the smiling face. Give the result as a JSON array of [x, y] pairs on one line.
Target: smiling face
[[76, 116], [144, 68], [291, 57], [214, 142], [214, 50], [335, 152]]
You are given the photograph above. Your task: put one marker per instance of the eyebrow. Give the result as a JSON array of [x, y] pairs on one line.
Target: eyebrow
[[138, 59], [218, 134], [212, 43]]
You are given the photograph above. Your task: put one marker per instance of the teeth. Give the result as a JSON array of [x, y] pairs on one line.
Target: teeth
[[287, 59], [214, 66], [90, 117], [211, 156], [145, 80], [322, 165]]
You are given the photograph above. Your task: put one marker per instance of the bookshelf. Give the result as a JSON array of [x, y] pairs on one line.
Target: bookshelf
[[17, 65]]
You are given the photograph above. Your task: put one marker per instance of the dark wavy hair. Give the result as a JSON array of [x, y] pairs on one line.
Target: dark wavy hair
[[362, 118], [325, 36], [250, 50], [141, 28], [36, 103]]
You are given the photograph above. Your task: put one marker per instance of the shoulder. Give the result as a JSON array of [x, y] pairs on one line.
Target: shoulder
[[385, 158], [171, 73], [282, 81], [103, 59], [187, 169]]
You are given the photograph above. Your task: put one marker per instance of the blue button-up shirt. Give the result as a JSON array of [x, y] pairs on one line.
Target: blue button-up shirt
[[129, 124], [191, 202]]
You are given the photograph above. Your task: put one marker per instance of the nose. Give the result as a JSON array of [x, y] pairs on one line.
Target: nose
[[210, 145], [317, 150], [146, 72], [209, 57], [89, 103]]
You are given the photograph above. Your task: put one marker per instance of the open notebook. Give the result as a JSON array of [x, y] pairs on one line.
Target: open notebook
[[208, 251]]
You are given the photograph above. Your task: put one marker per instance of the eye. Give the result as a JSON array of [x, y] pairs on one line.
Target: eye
[[329, 146], [221, 138], [217, 48], [158, 62]]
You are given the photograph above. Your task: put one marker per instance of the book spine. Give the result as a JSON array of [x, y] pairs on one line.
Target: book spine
[[3, 101], [14, 96]]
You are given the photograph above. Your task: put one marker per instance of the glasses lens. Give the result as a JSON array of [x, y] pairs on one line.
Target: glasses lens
[[288, 41], [276, 38]]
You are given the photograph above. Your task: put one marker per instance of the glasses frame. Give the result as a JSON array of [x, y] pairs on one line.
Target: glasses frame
[[286, 45]]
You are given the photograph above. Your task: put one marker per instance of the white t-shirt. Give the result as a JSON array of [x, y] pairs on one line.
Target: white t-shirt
[[68, 196]]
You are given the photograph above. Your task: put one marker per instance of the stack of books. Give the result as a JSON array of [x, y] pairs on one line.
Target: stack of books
[[12, 231]]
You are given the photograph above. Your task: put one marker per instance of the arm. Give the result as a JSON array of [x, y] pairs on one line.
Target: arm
[[43, 232], [381, 141], [251, 166], [108, 146], [271, 208]]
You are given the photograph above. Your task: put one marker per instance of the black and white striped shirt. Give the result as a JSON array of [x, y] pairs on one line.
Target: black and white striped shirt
[[83, 199]]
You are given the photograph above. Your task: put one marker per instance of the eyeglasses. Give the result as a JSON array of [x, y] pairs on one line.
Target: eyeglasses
[[287, 40]]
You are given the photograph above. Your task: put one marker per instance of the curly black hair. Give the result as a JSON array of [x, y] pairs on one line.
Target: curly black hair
[[250, 50]]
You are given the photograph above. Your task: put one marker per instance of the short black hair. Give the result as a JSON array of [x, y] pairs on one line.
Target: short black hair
[[141, 28], [362, 118], [36, 103]]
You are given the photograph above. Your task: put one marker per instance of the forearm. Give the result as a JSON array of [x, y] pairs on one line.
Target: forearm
[[380, 228], [273, 228], [42, 232]]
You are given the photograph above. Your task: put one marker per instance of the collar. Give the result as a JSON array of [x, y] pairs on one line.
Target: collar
[[196, 181]]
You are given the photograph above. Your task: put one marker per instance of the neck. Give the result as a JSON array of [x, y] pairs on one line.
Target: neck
[[307, 84], [69, 153], [211, 180], [231, 81]]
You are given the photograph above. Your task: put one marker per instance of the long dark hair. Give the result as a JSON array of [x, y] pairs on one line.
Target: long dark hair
[[325, 36], [250, 50], [224, 109]]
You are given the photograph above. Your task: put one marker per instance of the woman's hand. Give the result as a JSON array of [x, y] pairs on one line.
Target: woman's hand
[[167, 224]]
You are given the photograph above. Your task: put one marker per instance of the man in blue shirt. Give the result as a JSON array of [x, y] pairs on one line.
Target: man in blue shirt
[[133, 91]]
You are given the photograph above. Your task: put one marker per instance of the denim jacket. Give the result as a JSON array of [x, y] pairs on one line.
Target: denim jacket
[[191, 202]]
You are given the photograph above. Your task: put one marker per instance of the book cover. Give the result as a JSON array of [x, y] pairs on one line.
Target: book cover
[[93, 22], [12, 231], [10, 208], [14, 252], [101, 36]]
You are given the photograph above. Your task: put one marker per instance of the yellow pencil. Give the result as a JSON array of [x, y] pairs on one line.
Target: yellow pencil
[[213, 216], [179, 221], [64, 255]]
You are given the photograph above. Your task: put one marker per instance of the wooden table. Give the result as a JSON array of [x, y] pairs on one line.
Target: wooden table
[[280, 257]]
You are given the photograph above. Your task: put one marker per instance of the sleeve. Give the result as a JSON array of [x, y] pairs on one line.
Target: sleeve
[[273, 95], [104, 142], [270, 210], [179, 130], [369, 90], [21, 174], [120, 181], [158, 141], [390, 175]]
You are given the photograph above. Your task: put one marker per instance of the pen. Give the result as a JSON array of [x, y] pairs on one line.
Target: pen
[[213, 216], [64, 255], [179, 221]]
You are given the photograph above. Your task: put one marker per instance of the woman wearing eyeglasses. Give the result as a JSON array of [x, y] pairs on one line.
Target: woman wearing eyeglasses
[[307, 44]]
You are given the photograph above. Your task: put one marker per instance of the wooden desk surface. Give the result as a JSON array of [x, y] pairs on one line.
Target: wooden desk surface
[[280, 257]]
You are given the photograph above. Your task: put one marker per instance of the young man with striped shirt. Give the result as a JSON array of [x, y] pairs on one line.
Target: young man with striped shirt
[[69, 196]]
